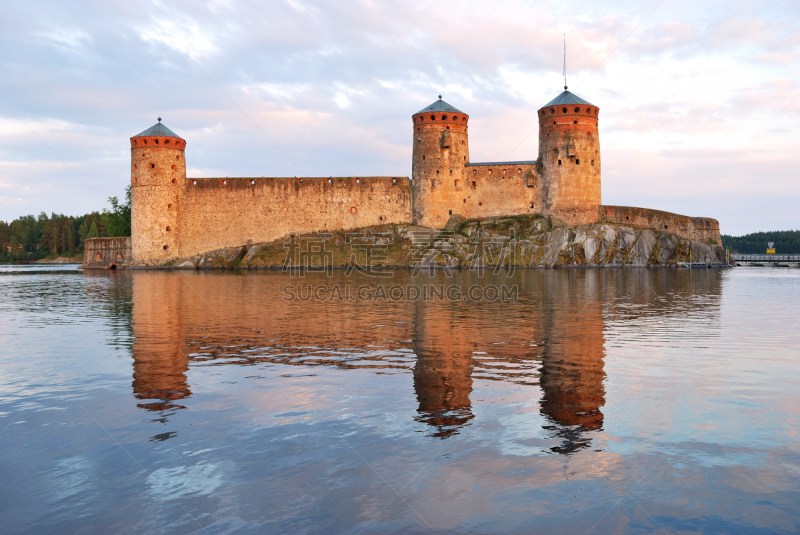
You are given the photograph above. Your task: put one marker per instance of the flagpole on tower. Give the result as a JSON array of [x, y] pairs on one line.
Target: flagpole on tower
[[565, 62]]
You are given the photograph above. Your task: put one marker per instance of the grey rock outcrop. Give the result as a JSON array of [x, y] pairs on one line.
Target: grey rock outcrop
[[525, 242]]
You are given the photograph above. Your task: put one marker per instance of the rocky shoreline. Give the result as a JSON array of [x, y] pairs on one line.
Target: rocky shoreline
[[523, 242]]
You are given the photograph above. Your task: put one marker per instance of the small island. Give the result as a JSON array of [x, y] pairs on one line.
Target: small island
[[545, 212]]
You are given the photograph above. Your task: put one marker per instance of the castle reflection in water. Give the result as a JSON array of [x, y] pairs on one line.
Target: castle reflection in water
[[551, 340]]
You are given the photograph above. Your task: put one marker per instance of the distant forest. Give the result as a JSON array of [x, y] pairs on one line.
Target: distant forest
[[786, 242], [34, 238]]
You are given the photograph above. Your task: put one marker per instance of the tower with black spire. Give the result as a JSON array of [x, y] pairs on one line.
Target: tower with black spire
[[439, 156], [569, 159], [158, 176]]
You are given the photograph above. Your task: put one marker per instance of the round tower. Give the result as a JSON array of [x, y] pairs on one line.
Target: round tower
[[158, 172], [439, 156], [569, 159]]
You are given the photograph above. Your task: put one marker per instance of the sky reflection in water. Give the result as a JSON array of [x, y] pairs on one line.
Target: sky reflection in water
[[600, 401]]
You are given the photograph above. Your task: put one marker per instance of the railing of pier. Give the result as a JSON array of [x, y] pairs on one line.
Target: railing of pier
[[765, 257]]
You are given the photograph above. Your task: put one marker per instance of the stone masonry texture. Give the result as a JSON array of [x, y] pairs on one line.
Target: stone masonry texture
[[106, 253], [176, 217]]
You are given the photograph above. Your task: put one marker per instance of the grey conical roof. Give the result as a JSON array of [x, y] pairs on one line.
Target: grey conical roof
[[158, 129], [567, 98], [440, 105]]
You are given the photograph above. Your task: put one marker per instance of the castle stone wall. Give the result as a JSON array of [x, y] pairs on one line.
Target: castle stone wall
[[494, 190], [446, 183], [106, 253], [702, 229], [229, 212], [177, 217]]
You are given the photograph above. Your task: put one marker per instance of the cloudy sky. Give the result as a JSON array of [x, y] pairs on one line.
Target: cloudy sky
[[699, 101]]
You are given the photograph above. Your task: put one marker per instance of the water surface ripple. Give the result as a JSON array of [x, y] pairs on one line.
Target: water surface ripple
[[597, 401]]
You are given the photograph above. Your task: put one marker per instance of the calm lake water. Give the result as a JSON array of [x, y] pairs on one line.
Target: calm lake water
[[588, 401]]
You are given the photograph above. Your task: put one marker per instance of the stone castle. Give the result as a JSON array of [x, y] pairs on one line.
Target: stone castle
[[175, 217]]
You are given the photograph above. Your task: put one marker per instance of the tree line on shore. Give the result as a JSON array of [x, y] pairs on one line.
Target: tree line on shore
[[785, 242], [31, 238]]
